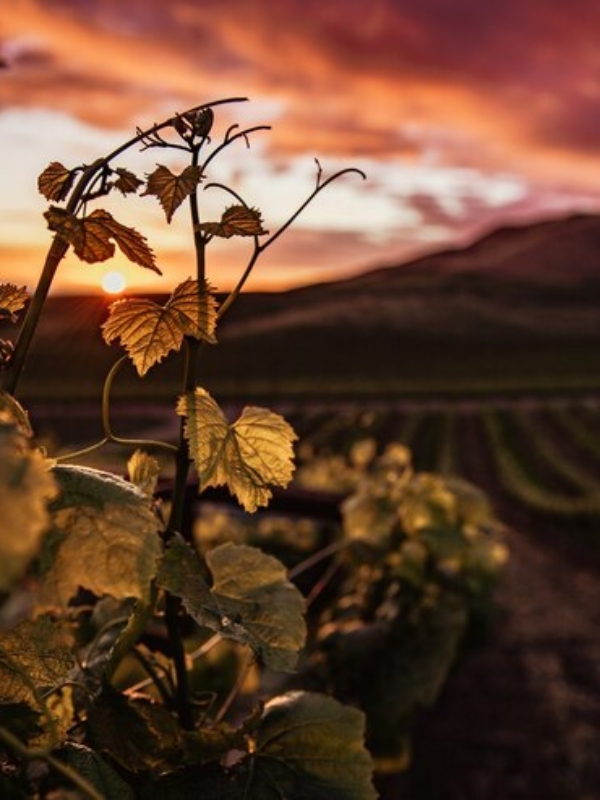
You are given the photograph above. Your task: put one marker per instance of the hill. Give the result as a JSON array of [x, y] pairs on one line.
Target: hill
[[518, 309]]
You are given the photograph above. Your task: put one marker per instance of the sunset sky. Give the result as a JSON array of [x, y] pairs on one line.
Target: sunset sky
[[464, 114]]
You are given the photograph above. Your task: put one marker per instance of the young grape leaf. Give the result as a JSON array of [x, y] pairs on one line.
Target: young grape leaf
[[127, 182], [91, 237], [250, 601], [91, 766], [247, 456], [55, 181], [149, 331], [171, 189], [307, 746], [12, 412], [12, 299], [104, 538], [143, 470], [236, 221], [26, 487]]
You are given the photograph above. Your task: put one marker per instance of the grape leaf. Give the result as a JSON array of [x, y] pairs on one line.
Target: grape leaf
[[26, 486], [55, 181], [251, 600], [36, 655], [104, 538], [137, 733], [36, 658], [236, 221], [307, 746], [149, 331], [171, 189], [127, 182], [91, 766], [143, 470], [12, 412], [12, 299], [249, 455], [91, 237]]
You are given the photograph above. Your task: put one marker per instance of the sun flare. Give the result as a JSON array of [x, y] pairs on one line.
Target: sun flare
[[113, 282]]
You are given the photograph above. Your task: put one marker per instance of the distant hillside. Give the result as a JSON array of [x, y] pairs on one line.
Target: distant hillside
[[540, 280], [521, 305]]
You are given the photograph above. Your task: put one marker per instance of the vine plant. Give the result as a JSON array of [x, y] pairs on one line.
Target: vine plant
[[110, 567]]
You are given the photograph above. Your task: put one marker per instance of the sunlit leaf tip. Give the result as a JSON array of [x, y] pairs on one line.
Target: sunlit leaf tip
[[249, 456]]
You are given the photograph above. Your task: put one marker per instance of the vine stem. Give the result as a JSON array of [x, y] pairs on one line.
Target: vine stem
[[59, 247], [259, 248], [36, 754], [182, 465], [237, 687], [108, 434], [317, 557]]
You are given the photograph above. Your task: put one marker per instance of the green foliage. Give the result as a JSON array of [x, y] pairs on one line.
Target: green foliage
[[103, 563], [36, 660], [305, 746], [103, 537], [97, 772], [424, 552], [26, 486], [250, 599]]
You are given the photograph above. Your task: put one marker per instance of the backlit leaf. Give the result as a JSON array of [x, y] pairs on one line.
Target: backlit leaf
[[248, 456], [12, 299], [97, 772], [137, 733], [55, 181], [171, 189], [127, 182], [26, 486], [149, 331], [12, 412], [104, 538], [37, 658], [250, 601], [92, 237], [236, 221], [307, 747], [143, 470], [34, 656]]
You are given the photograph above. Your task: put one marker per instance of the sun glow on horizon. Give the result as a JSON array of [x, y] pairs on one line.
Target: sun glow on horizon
[[113, 282]]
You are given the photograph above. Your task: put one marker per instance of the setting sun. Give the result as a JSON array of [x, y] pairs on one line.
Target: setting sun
[[113, 282]]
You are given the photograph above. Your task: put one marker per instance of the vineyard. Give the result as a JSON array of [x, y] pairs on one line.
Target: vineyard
[[543, 456]]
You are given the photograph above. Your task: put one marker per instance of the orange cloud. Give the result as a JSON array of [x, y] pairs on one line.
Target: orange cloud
[[497, 89]]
